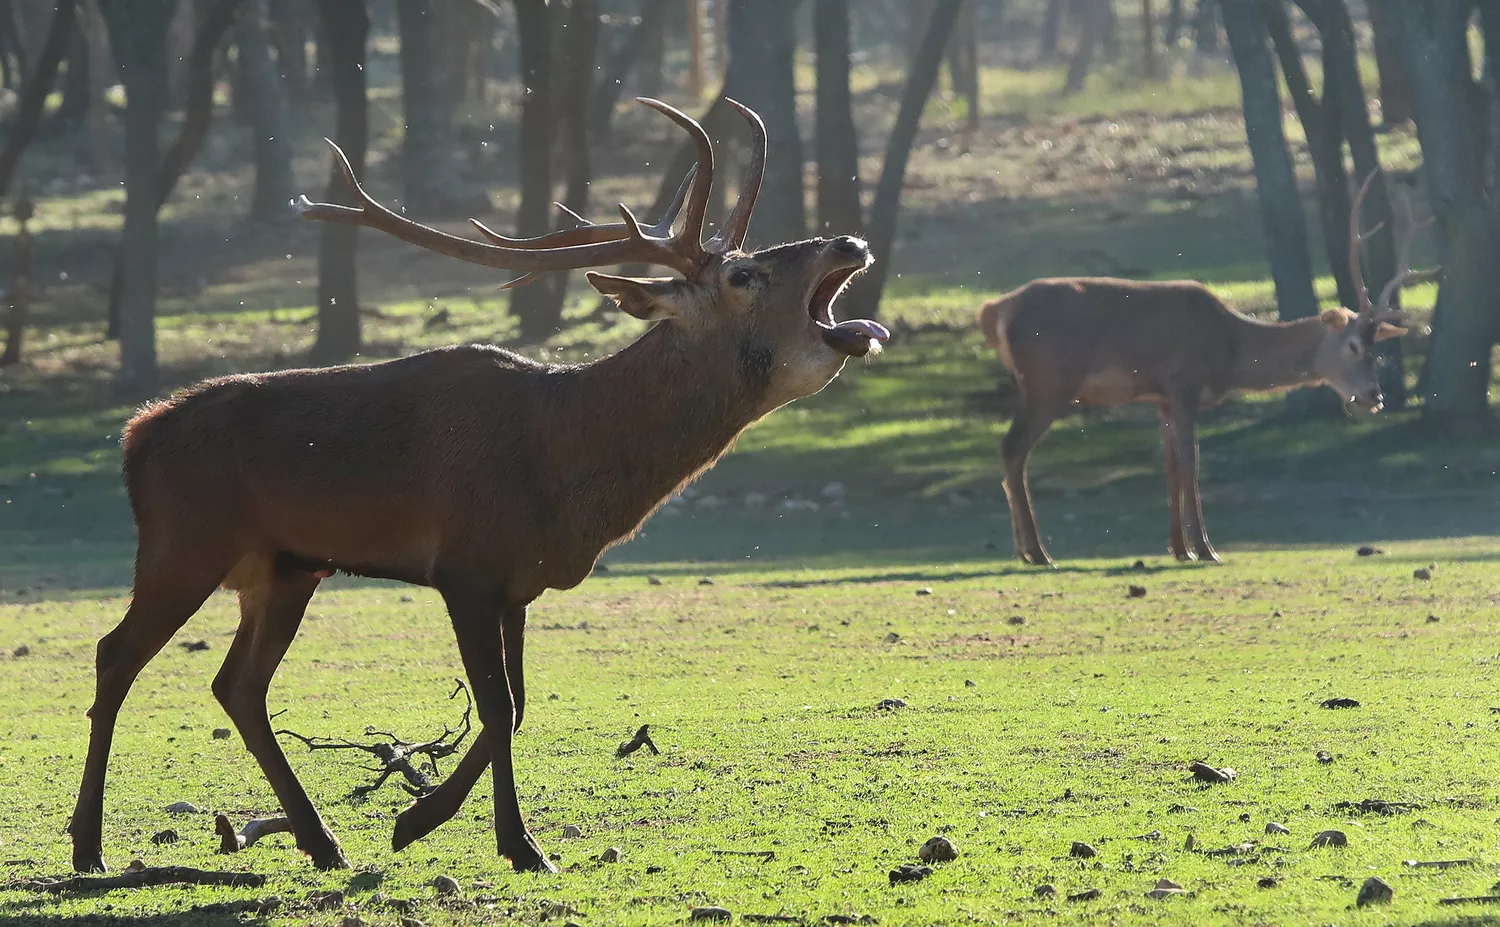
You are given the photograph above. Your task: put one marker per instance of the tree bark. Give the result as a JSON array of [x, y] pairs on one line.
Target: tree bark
[[1149, 59], [839, 210], [963, 65], [1051, 30], [341, 54], [198, 78], [653, 56], [75, 84], [761, 47], [1091, 24], [430, 182], [273, 150], [20, 287], [617, 70], [1206, 27], [101, 78], [289, 35], [34, 93], [1283, 222], [1172, 29], [138, 38], [1395, 94], [530, 304], [868, 288], [1456, 382], [696, 72]]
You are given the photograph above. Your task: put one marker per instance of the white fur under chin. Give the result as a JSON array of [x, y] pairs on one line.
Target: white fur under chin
[[875, 348]]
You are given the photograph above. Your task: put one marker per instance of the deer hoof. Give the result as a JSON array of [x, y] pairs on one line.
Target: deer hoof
[[530, 858], [91, 861], [331, 857]]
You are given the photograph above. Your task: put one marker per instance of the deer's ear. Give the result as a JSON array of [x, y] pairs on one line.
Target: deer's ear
[[1386, 330], [649, 299], [1337, 319]]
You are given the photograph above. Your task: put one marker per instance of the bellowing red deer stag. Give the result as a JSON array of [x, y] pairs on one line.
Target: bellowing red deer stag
[[1097, 341], [469, 469]]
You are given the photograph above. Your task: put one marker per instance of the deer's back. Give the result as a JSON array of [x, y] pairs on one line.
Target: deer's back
[[1106, 341]]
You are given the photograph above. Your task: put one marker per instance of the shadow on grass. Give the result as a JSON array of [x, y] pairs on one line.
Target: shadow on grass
[[220, 914]]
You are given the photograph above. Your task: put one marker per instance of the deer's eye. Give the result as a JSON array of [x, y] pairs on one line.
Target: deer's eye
[[741, 277]]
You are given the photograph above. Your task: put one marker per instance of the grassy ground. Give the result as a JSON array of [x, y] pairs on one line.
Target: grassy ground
[[1086, 705]]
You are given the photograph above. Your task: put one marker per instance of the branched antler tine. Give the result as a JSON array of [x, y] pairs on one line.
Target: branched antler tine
[[1404, 274], [663, 226], [567, 238], [1356, 244], [697, 206], [563, 208], [737, 225]]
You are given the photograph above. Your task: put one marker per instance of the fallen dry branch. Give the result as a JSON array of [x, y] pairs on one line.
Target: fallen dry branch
[[396, 755], [641, 739], [766, 855], [231, 842], [140, 878]]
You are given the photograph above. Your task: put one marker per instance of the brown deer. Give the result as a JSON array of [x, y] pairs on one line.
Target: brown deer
[[1069, 342], [468, 469]]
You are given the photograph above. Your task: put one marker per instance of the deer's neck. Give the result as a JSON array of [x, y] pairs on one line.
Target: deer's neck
[[1276, 355], [647, 420]]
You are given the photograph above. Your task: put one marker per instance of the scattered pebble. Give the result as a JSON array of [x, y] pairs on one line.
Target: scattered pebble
[[924, 590], [164, 837], [1374, 891], [706, 581], [1330, 838], [653, 581], [909, 872], [21, 651], [1165, 888], [1045, 891], [221, 733], [1433, 619], [1139, 566], [890, 704], [893, 638], [1088, 894], [610, 855], [970, 684], [1137, 592], [183, 807], [351, 920], [194, 646], [1368, 551], [410, 922], [1325, 757], [709, 913], [325, 901], [1188, 844], [572, 832], [1275, 828], [1340, 702], [1016, 620], [407, 600], [1422, 573], [445, 885], [1267, 882], [136, 865], [1153, 835], [938, 850], [1206, 773], [1082, 851]]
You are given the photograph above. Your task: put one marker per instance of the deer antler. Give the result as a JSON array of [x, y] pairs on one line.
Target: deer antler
[[1357, 241], [1404, 274], [591, 245], [1382, 311]]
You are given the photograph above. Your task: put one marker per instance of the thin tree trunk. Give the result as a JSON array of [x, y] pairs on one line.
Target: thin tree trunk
[[430, 185], [198, 80], [695, 50], [1395, 94], [762, 43], [273, 150], [867, 289], [289, 35], [837, 140], [963, 66], [1283, 222], [138, 38], [653, 56], [1091, 16], [1172, 30], [1323, 126], [75, 85], [1051, 31], [1206, 26], [1456, 382], [34, 94], [530, 304], [341, 54], [621, 61], [101, 157], [1149, 59], [12, 49], [20, 287]]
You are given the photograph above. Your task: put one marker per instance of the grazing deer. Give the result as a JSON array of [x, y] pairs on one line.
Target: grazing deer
[[1097, 341], [468, 469]]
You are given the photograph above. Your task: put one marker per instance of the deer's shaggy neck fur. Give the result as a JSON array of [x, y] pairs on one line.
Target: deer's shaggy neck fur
[[1276, 355]]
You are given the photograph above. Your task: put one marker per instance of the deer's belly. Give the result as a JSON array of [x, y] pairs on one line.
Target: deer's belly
[[1113, 387]]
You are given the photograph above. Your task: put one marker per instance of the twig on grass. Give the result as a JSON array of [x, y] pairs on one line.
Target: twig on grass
[[641, 739], [230, 842], [140, 878], [766, 855]]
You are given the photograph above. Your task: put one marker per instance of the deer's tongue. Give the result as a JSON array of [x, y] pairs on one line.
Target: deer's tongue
[[854, 336]]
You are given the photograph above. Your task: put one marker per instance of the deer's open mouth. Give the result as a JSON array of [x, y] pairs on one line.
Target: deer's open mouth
[[855, 337]]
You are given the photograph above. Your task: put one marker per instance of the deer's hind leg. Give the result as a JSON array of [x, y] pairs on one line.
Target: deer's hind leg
[[1176, 540], [171, 583], [273, 598], [1185, 414], [1030, 424]]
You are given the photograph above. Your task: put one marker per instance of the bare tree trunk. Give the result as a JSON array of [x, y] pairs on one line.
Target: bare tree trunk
[[1206, 26], [1051, 31], [179, 46], [101, 78], [761, 47], [621, 61], [289, 35], [273, 150], [867, 289], [1456, 382], [341, 54], [198, 78], [1091, 24], [530, 304], [1172, 30], [653, 56], [12, 49], [839, 210], [1149, 61], [1285, 226], [430, 186], [20, 287], [34, 94], [695, 49], [1395, 94], [75, 84], [1342, 82], [138, 37], [963, 66], [1323, 126]]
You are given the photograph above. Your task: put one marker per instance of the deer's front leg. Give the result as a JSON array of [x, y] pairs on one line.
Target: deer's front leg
[[477, 609], [1176, 542], [1186, 408]]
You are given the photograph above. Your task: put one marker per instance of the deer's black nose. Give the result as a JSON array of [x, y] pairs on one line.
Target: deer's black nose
[[848, 244]]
